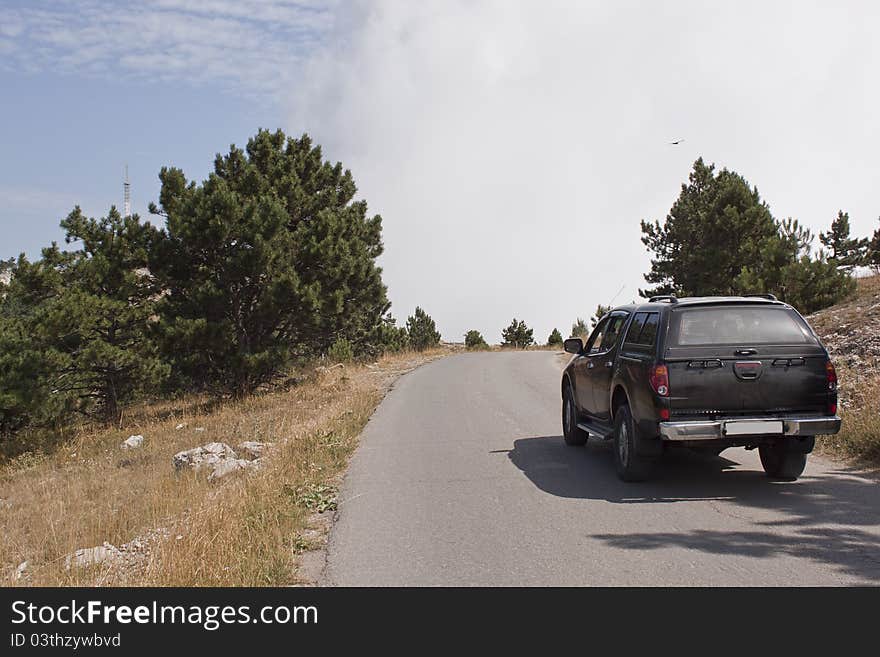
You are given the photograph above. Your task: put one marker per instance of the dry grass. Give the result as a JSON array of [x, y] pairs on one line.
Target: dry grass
[[855, 309], [859, 437], [851, 331], [245, 529]]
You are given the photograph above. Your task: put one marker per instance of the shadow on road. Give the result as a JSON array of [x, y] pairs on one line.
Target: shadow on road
[[830, 518]]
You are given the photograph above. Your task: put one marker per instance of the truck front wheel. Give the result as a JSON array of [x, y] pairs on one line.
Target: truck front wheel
[[573, 434], [782, 462]]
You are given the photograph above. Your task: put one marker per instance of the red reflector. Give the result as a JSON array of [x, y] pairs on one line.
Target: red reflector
[[659, 380], [830, 375], [664, 413], [832, 409]]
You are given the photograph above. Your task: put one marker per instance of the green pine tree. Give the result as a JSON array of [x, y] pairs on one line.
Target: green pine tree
[[555, 338], [268, 259], [387, 337], [422, 331], [601, 311], [579, 329], [82, 318], [517, 335], [473, 339], [845, 252], [719, 238], [872, 257]]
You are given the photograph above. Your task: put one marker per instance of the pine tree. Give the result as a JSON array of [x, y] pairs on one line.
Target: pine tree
[[473, 339], [517, 335], [872, 256], [268, 259], [845, 252], [579, 329], [719, 238], [717, 225], [601, 311], [387, 337], [422, 331], [83, 317], [555, 338]]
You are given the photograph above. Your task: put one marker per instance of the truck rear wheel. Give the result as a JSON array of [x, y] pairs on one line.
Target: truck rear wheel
[[573, 434], [630, 465], [782, 462]]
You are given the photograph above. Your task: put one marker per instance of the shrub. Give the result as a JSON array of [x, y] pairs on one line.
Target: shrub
[[473, 339], [422, 331], [341, 351], [517, 335]]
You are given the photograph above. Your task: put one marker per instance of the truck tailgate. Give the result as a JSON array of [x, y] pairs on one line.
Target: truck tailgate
[[773, 380]]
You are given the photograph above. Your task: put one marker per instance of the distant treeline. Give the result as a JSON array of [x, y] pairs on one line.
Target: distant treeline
[[269, 262]]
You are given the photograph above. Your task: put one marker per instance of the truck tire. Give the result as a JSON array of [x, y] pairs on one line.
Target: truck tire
[[780, 462], [574, 435], [630, 465]]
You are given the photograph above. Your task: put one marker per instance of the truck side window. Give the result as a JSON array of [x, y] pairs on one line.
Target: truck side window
[[612, 332], [596, 337], [636, 327], [649, 332]]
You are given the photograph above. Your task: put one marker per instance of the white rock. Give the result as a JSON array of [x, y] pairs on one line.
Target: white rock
[[180, 426], [133, 442], [20, 571], [205, 456], [199, 429], [227, 467], [252, 449], [85, 557]]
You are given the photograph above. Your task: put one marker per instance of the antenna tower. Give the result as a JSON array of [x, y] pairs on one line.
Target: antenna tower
[[126, 186]]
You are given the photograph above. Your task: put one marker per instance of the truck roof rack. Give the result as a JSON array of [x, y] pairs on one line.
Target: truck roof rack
[[771, 297], [671, 298]]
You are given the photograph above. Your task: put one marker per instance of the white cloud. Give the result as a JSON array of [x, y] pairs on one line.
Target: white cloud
[[513, 147], [250, 47]]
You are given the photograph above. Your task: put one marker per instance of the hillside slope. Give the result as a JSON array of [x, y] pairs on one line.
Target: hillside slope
[[851, 332]]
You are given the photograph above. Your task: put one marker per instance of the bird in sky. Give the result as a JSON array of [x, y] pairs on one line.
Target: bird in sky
[[676, 142]]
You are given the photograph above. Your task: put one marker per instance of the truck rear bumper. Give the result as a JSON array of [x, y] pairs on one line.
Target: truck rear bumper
[[717, 429]]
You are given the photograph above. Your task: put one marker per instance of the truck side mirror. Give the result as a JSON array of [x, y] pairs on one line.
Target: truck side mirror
[[574, 345]]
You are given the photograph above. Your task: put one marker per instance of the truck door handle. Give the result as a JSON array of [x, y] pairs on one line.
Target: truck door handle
[[590, 365], [609, 363], [745, 352]]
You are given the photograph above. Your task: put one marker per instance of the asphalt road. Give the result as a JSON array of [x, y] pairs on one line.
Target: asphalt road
[[462, 478]]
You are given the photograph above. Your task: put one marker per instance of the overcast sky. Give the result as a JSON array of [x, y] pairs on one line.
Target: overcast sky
[[511, 148]]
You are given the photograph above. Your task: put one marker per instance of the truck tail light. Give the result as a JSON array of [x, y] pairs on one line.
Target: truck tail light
[[832, 408], [830, 375], [660, 380]]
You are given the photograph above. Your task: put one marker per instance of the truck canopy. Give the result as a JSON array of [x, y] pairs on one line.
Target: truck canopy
[[743, 359]]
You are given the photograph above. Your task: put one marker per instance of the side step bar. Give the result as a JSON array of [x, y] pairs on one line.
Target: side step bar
[[596, 429]]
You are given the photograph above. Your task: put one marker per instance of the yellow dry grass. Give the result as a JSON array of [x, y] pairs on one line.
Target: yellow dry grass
[[849, 329], [859, 437], [245, 529]]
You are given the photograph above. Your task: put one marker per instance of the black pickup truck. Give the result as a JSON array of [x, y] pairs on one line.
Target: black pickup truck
[[706, 373]]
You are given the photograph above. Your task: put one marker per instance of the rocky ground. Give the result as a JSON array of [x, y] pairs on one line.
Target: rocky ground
[[851, 332]]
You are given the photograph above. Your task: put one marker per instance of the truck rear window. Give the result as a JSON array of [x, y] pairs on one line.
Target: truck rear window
[[739, 325]]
